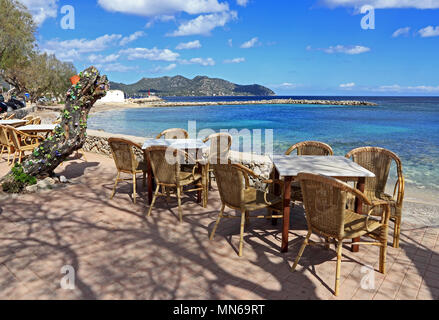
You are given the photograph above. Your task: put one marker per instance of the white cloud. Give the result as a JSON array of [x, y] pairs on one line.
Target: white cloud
[[429, 31], [41, 9], [204, 24], [401, 89], [384, 4], [401, 32], [188, 45], [152, 8], [235, 60], [251, 43], [347, 85], [345, 49], [242, 3], [161, 18], [285, 86], [150, 54], [164, 69], [103, 59], [115, 67], [230, 42], [133, 37], [82, 45], [202, 61]]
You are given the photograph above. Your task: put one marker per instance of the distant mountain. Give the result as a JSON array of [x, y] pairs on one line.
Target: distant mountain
[[198, 86]]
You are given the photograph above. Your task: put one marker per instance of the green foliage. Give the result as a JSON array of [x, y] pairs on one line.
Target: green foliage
[[19, 180], [21, 65]]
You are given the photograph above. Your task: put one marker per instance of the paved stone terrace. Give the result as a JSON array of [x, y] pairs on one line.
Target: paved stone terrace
[[119, 253]]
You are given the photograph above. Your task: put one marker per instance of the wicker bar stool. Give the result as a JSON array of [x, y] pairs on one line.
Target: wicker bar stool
[[378, 160], [326, 215]]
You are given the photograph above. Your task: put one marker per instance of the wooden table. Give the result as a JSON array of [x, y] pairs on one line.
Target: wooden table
[[193, 146], [288, 167], [13, 123], [38, 128]]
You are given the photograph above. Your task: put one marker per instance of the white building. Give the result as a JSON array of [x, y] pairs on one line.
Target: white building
[[113, 96]]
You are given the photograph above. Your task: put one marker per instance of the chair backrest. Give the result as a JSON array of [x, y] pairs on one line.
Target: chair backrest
[[219, 150], [231, 182], [378, 161], [174, 133], [4, 140], [165, 163], [124, 154], [28, 119], [311, 148], [14, 135], [12, 116], [324, 199], [36, 120]]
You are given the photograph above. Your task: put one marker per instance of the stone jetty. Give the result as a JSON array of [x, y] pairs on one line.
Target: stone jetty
[[255, 102]]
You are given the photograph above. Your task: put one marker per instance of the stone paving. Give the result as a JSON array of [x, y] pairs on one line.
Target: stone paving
[[119, 253]]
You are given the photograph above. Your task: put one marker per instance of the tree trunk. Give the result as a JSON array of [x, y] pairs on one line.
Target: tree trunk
[[70, 135]]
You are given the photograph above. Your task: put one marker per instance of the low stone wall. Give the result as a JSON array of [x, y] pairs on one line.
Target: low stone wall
[[97, 142], [21, 113]]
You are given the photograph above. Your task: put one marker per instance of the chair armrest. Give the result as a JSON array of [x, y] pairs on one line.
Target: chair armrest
[[385, 215]]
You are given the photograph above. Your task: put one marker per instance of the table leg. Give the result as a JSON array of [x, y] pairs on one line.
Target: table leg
[[276, 191], [150, 186], [358, 209], [286, 213]]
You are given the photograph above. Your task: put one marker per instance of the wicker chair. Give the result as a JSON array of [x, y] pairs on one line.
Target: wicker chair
[[29, 120], [36, 120], [124, 155], [22, 142], [235, 193], [5, 142], [326, 214], [219, 150], [307, 148], [378, 161], [10, 117], [166, 167], [174, 133]]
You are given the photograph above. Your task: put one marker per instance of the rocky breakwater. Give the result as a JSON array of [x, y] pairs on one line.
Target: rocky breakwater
[[255, 102]]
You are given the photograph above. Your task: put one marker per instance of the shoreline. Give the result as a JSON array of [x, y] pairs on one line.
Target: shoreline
[[140, 104]]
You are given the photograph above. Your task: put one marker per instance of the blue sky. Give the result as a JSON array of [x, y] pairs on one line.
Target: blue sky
[[309, 47]]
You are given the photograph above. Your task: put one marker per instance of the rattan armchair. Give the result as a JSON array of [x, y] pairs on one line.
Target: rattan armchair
[[378, 160], [22, 142], [326, 214], [307, 148], [174, 133], [10, 117], [29, 120], [126, 160], [219, 150], [5, 142], [166, 167], [236, 193]]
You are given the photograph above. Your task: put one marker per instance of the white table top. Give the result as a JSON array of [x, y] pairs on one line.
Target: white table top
[[38, 127], [13, 121], [332, 166], [183, 144]]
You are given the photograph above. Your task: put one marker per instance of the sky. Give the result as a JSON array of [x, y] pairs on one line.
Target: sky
[[294, 47]]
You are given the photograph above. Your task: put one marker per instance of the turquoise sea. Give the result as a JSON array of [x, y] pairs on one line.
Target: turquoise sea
[[409, 126]]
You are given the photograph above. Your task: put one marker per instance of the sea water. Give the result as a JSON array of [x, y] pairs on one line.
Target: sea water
[[409, 126]]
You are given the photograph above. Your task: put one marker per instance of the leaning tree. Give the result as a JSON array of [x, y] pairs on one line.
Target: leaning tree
[[68, 137]]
